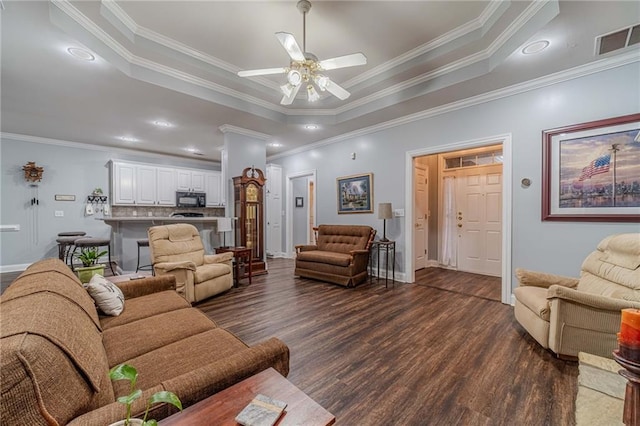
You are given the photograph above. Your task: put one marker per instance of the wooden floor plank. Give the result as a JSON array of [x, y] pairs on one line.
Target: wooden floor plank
[[443, 351]]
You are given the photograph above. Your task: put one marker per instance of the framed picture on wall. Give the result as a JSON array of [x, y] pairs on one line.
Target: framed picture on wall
[[299, 202], [355, 193], [591, 171]]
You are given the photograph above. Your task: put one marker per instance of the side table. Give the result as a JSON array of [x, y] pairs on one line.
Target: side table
[[241, 255], [389, 248]]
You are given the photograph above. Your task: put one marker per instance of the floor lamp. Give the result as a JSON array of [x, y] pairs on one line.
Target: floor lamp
[[385, 212], [224, 226]]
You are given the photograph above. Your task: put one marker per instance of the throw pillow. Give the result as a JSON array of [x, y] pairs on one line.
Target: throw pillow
[[106, 294]]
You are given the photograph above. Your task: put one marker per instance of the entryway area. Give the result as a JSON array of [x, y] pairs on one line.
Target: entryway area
[[458, 219]]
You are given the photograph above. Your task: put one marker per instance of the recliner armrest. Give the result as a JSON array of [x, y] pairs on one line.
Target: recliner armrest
[[305, 247], [542, 279], [358, 252], [593, 300], [218, 258], [170, 266], [136, 288]]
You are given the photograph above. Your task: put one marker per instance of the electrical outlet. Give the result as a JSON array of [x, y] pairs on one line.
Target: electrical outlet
[[59, 213]]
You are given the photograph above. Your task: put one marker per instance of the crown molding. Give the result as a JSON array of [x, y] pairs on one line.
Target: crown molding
[[229, 128], [5, 137], [444, 39], [538, 83], [493, 8]]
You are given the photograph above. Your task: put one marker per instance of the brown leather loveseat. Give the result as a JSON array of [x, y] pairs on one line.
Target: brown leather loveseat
[[56, 351], [340, 256]]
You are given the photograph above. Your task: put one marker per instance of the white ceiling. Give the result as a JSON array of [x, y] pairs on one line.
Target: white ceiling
[[177, 61]]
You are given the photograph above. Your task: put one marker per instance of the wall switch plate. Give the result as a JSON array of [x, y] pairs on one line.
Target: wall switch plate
[[59, 213], [398, 212]]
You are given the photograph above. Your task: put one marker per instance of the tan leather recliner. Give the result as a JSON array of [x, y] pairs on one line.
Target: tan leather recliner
[[569, 315], [177, 250]]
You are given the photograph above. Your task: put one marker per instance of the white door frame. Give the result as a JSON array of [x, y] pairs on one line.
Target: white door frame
[[505, 140], [289, 210]]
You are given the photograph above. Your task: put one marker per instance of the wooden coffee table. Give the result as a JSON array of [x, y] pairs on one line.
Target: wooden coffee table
[[221, 409]]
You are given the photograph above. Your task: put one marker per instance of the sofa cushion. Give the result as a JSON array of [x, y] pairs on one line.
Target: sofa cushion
[[145, 335], [146, 306], [52, 276], [535, 299], [171, 361], [343, 238], [107, 295], [330, 258], [210, 271]]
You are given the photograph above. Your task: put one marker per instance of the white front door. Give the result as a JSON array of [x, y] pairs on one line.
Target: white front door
[[420, 213], [479, 220]]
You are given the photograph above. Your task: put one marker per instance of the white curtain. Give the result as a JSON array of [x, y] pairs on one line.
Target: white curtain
[[449, 233]]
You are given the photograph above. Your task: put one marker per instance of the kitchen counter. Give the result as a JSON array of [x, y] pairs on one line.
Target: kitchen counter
[[158, 220], [125, 231]]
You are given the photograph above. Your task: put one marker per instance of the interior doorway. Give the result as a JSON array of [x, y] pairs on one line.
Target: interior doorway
[[300, 209], [484, 227]]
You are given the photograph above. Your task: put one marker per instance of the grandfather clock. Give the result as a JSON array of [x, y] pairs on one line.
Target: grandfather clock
[[249, 209]]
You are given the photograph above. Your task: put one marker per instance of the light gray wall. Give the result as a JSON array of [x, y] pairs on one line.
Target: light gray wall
[[557, 247], [68, 170]]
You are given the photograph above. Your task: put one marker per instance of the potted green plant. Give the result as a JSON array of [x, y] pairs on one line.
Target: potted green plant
[[89, 257], [128, 372]]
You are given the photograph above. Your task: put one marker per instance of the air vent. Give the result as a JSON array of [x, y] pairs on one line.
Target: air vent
[[618, 40]]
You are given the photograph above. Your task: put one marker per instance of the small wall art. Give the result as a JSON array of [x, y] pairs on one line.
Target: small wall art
[[355, 193]]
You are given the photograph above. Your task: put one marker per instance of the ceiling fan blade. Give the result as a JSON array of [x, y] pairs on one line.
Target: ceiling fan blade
[[291, 46], [264, 71], [337, 90], [287, 100], [343, 61]]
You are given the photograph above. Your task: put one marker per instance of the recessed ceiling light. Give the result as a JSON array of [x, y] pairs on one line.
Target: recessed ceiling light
[[535, 47], [162, 123], [275, 144], [191, 150], [79, 53], [128, 138], [311, 126]]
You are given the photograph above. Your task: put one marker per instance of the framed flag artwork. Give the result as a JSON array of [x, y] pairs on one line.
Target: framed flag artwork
[[591, 171]]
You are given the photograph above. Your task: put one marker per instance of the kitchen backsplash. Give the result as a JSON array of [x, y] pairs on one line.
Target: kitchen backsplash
[[156, 211]]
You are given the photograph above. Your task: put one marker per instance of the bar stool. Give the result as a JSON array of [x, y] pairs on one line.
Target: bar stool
[[92, 242], [65, 241], [143, 243]]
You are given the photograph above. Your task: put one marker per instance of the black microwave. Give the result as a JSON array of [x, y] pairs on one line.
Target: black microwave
[[191, 199]]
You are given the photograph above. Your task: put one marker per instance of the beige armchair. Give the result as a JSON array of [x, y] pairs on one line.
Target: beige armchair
[[569, 315], [177, 250]]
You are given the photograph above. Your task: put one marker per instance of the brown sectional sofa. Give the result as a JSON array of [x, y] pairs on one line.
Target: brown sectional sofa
[[340, 256], [56, 351]]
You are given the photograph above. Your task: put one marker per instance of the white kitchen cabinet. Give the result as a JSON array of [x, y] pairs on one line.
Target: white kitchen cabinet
[[123, 185], [166, 195], [190, 180], [142, 185], [213, 189], [146, 185]]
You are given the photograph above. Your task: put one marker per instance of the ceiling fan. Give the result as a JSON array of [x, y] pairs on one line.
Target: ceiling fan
[[305, 69]]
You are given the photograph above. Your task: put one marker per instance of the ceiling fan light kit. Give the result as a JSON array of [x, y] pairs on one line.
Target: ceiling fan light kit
[[306, 68]]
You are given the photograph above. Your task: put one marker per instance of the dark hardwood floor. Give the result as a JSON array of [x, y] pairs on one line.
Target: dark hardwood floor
[[443, 351]]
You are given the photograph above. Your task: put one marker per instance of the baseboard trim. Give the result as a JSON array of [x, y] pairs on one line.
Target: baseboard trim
[[14, 268]]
